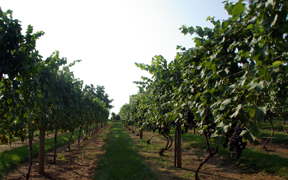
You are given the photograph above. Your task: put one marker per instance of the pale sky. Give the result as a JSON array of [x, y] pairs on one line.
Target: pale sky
[[110, 35]]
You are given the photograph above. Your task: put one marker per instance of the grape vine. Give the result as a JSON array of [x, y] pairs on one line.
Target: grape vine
[[234, 74], [38, 94]]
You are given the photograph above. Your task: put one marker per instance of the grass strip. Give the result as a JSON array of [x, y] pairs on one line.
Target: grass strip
[[278, 137], [277, 124], [10, 159], [121, 160]]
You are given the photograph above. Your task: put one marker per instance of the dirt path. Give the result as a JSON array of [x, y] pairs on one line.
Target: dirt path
[[80, 163], [163, 166]]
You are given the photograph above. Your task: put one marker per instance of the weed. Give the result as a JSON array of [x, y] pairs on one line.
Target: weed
[[62, 157], [199, 152], [185, 145], [189, 175], [103, 135], [90, 158], [97, 153], [84, 150]]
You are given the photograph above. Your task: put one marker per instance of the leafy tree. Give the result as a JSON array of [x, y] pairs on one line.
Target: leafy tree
[[100, 93], [113, 118], [117, 118]]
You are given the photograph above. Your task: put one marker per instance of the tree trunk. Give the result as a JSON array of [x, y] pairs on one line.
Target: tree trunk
[[41, 155], [10, 141], [141, 134], [86, 129], [89, 129], [179, 163], [69, 143], [55, 144], [79, 136], [175, 150], [30, 156]]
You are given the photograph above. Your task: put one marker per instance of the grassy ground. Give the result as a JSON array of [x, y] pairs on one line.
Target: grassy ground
[[277, 124], [278, 137], [121, 160]]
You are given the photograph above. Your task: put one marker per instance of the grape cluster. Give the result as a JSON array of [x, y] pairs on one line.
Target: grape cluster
[[235, 144], [269, 114], [211, 128], [190, 118]]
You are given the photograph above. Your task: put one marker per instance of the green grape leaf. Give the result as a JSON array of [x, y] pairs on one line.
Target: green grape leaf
[[238, 8], [246, 134]]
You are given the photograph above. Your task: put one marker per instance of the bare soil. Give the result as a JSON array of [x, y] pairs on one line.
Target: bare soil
[[163, 166], [80, 163]]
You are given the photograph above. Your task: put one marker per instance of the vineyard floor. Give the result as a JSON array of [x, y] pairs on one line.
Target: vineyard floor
[[80, 163], [18, 143], [163, 166], [121, 159]]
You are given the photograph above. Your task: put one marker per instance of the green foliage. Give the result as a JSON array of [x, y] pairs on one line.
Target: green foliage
[[236, 72], [37, 93], [41, 93]]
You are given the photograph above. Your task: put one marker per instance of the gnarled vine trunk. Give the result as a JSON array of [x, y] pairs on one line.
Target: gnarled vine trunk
[[178, 146], [41, 155], [211, 154], [69, 143], [55, 145], [79, 135], [168, 144], [30, 156], [141, 134]]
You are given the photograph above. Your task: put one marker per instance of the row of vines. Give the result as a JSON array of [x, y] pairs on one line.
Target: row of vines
[[234, 78], [42, 95]]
